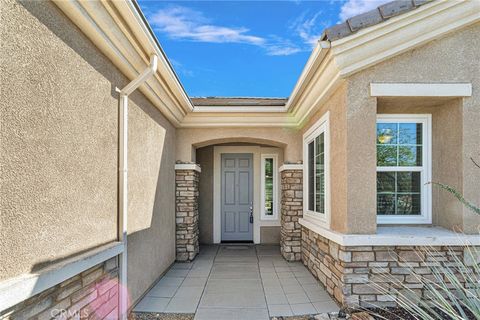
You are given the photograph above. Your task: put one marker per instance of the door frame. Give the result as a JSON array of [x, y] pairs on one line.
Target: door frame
[[217, 185], [256, 151]]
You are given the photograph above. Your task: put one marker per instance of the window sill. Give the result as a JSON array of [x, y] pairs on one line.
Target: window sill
[[266, 218], [403, 220], [269, 222], [317, 219], [396, 236]]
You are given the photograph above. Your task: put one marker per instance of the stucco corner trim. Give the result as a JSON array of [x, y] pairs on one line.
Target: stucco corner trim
[[290, 167], [18, 289], [421, 89], [188, 166], [396, 236]]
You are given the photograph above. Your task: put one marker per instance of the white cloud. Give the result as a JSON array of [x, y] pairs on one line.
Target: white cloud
[[184, 23], [179, 22], [179, 67], [278, 46], [282, 50], [355, 7], [309, 29]]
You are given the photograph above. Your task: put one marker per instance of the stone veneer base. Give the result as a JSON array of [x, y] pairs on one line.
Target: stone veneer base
[[347, 272], [186, 214], [92, 294], [292, 211]]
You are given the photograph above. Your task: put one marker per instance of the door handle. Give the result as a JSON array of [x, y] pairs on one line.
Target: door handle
[[251, 212]]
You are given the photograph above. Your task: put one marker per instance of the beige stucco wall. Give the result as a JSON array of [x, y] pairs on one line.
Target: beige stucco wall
[[451, 59], [59, 152], [205, 201], [151, 194], [270, 235], [336, 105], [188, 139], [58, 144]]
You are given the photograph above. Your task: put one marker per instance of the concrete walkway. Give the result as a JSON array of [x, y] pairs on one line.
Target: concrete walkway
[[238, 282]]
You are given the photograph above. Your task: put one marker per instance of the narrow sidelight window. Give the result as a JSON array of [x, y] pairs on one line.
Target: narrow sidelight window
[[316, 171], [269, 187], [403, 169], [316, 174], [311, 176]]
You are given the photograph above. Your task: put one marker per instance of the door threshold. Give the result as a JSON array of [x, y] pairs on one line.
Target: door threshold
[[239, 242]]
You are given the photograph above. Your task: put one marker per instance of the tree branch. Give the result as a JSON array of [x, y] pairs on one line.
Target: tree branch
[[475, 162]]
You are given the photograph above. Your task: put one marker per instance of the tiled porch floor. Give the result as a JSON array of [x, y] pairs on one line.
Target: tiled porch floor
[[238, 282]]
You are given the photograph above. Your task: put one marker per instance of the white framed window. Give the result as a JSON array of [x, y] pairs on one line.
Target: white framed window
[[404, 167], [269, 187], [316, 172]]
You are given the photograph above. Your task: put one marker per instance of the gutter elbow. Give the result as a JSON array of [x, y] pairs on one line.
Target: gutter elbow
[[153, 64], [135, 83], [325, 44]]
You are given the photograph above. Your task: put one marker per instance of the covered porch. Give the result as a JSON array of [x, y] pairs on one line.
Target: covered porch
[[237, 282], [238, 186]]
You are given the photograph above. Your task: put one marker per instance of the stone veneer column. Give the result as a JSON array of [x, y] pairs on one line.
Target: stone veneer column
[[292, 211], [186, 211]]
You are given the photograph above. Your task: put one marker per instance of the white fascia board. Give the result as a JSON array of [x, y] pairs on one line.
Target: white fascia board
[[18, 289], [315, 59], [106, 29], [188, 166], [130, 13], [239, 124], [421, 89], [399, 34], [396, 236], [202, 120], [322, 85]]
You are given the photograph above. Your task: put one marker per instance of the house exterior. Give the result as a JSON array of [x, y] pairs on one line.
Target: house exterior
[[337, 174]]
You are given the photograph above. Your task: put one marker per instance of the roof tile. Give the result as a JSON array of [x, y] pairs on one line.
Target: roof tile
[[364, 20], [371, 18], [395, 8], [418, 3], [338, 31]]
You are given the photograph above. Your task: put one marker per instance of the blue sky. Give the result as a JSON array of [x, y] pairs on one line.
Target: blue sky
[[243, 48]]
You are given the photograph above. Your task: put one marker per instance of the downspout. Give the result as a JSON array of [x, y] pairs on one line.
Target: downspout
[[123, 182]]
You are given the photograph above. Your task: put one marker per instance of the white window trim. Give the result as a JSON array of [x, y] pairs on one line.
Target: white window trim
[[322, 125], [276, 207], [420, 89], [426, 171]]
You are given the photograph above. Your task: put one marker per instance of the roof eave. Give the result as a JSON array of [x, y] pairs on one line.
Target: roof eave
[[127, 41], [396, 35]]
